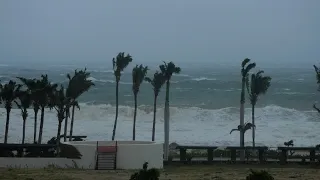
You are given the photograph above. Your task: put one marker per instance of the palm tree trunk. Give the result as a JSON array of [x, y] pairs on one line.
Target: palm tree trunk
[[24, 130], [41, 125], [7, 126], [35, 125], [134, 118], [166, 123], [66, 125], [242, 101], [72, 120], [116, 118], [58, 137], [253, 128], [154, 117]]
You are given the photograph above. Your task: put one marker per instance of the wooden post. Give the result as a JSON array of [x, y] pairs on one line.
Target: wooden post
[[183, 154], [261, 159], [283, 157], [233, 154], [312, 155], [210, 154]]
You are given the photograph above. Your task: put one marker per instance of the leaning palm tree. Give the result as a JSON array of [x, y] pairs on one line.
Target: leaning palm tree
[[45, 88], [157, 82], [119, 64], [258, 85], [317, 70], [32, 86], [167, 69], [245, 69], [138, 75], [78, 84], [59, 101], [8, 95], [23, 104]]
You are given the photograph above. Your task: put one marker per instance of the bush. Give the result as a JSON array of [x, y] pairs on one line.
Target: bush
[[259, 175], [146, 174]]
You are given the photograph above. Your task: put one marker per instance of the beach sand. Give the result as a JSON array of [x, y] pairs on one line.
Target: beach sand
[[181, 172]]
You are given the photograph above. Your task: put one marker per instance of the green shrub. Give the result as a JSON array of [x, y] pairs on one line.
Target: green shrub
[[146, 174], [259, 175]]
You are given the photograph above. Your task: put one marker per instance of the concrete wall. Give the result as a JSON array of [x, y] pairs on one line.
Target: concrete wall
[[131, 155]]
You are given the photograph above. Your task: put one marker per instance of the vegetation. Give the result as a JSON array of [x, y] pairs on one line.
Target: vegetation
[[23, 104], [138, 75], [157, 82], [259, 175], [78, 84], [119, 64], [317, 70], [245, 69], [167, 69], [146, 174], [258, 85], [9, 93]]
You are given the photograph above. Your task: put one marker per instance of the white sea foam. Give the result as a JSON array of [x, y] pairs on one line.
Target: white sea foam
[[203, 79], [106, 81], [188, 125]]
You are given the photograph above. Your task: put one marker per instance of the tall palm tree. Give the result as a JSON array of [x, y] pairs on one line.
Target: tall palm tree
[[167, 69], [9, 94], [119, 64], [258, 85], [45, 88], [317, 70], [59, 101], [157, 82], [33, 87], [78, 84], [138, 75], [23, 104], [245, 69]]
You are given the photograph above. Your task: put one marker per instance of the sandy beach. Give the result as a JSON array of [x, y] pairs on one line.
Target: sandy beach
[[182, 172]]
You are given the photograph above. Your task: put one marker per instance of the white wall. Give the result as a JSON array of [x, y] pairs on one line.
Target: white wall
[[131, 155]]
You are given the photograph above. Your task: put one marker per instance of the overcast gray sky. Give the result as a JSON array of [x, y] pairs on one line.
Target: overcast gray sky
[[71, 31]]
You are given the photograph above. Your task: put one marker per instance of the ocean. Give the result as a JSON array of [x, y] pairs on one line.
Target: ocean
[[204, 106]]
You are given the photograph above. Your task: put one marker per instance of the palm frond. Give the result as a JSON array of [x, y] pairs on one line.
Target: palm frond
[[138, 75], [248, 68], [244, 62]]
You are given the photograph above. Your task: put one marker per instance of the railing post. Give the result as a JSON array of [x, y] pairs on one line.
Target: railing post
[[183, 154], [312, 155], [233, 155], [210, 155], [283, 157], [261, 152]]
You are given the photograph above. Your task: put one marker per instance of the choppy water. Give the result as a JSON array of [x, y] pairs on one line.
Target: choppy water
[[204, 107]]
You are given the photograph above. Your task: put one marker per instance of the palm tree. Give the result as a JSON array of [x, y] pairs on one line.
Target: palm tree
[[59, 101], [258, 85], [45, 88], [138, 75], [78, 84], [317, 70], [167, 69], [119, 64], [24, 104], [244, 73], [8, 95], [157, 82], [33, 86]]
